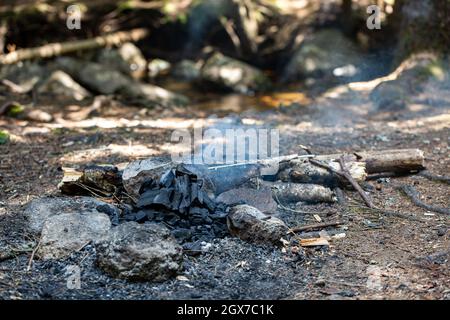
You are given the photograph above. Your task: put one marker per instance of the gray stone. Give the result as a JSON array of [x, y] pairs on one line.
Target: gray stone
[[68, 232], [149, 95], [327, 53], [187, 70], [61, 84], [260, 198], [250, 224], [26, 75], [234, 75], [127, 59], [137, 172], [40, 210], [93, 75], [389, 96], [140, 252], [158, 67], [102, 79], [413, 75]]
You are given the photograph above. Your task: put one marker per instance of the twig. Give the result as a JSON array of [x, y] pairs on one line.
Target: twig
[[355, 185], [129, 196], [326, 167], [228, 26], [434, 177], [56, 49], [316, 226], [412, 193], [369, 203], [92, 190], [392, 213], [5, 107], [344, 173], [30, 262], [13, 86]]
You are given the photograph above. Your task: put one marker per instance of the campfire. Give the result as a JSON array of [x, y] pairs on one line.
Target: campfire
[[199, 203]]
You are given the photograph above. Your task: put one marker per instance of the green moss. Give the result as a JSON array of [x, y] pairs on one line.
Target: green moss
[[4, 137], [15, 110], [436, 70], [58, 131], [125, 5]]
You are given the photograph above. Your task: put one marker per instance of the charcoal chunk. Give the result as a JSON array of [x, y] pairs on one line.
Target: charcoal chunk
[[140, 216], [112, 214], [147, 198], [167, 179], [182, 234], [181, 202]]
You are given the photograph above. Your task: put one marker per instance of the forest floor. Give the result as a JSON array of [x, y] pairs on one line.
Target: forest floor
[[407, 259]]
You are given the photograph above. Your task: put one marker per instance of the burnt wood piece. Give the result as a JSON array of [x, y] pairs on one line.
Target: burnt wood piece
[[180, 200], [297, 192], [177, 190], [92, 180], [307, 171]]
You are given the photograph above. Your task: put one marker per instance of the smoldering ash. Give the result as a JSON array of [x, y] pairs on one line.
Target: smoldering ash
[[225, 146]]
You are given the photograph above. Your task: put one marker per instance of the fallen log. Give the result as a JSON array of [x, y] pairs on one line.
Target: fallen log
[[396, 160], [60, 48], [359, 165]]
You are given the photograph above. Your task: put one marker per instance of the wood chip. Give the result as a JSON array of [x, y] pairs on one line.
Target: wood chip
[[314, 242]]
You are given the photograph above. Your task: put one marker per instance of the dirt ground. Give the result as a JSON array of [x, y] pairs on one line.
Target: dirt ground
[[380, 257]]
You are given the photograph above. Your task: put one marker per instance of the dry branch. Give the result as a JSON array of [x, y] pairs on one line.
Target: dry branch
[[434, 177], [396, 160], [412, 193], [316, 226], [346, 173], [56, 49]]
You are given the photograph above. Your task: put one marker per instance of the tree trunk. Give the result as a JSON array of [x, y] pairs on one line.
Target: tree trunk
[[422, 25]]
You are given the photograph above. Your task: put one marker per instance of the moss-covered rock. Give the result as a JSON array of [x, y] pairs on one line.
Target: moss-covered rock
[[234, 75], [327, 53], [127, 58], [412, 77]]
